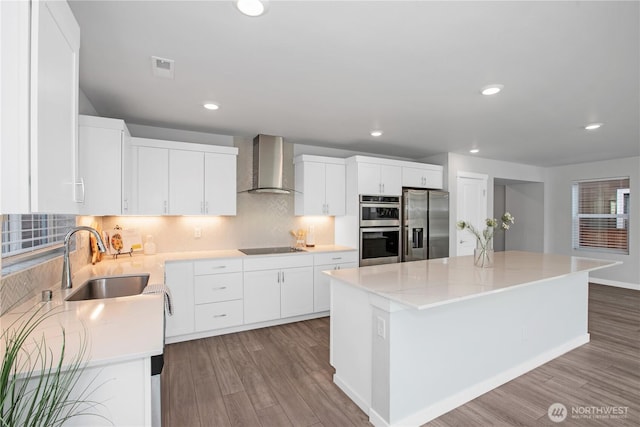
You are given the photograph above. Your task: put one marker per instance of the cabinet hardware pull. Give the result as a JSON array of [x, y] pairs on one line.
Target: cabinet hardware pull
[[219, 315], [219, 289], [338, 257], [278, 277], [206, 207], [165, 210], [81, 184], [283, 277], [218, 266]]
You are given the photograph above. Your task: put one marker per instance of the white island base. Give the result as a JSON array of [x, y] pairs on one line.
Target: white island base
[[412, 341]]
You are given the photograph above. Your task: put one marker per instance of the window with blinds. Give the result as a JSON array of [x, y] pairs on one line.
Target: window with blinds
[[601, 215], [24, 235]]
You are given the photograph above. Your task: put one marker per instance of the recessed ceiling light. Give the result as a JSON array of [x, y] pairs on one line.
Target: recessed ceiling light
[[211, 106], [252, 7], [376, 133], [474, 150], [593, 126], [491, 89]]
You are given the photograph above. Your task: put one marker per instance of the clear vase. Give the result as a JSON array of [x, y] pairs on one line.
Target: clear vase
[[483, 254]]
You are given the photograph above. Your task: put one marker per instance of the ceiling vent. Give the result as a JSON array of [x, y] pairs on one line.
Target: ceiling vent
[[162, 67]]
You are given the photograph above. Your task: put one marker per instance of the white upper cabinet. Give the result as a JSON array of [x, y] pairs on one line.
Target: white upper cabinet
[[220, 184], [14, 107], [104, 163], [151, 180], [422, 176], [379, 178], [55, 46], [186, 182], [39, 85], [320, 186], [175, 178]]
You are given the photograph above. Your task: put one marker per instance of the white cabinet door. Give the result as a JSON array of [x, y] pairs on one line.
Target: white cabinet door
[[220, 184], [335, 187], [186, 182], [296, 291], [369, 179], [391, 180], [152, 177], [413, 177], [15, 192], [261, 296], [100, 155], [311, 184], [321, 288], [55, 46], [426, 177], [179, 279]]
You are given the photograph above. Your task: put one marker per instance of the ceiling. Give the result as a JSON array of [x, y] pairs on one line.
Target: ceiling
[[327, 73]]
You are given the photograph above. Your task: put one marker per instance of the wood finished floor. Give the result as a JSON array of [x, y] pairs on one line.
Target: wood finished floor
[[280, 376]]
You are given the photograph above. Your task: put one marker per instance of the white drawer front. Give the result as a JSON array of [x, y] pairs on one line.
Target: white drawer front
[[277, 262], [217, 266], [218, 315], [331, 258], [217, 287]]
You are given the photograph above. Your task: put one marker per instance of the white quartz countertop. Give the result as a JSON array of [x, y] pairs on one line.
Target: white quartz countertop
[[425, 284], [116, 329]]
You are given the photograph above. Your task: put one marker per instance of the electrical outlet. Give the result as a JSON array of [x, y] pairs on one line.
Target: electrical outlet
[[197, 232], [382, 326]]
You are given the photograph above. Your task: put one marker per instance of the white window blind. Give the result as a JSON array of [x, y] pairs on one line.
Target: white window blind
[[24, 234], [601, 215]]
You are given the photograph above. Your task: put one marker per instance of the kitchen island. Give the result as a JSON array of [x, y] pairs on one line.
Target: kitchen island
[[412, 341]]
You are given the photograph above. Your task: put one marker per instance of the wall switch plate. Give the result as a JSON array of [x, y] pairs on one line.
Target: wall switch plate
[[382, 328], [197, 232]]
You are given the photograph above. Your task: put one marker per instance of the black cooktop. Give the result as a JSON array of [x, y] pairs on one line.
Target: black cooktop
[[269, 251]]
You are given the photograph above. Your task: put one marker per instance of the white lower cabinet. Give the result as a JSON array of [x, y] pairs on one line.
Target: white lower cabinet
[[218, 315], [324, 262], [296, 291], [178, 276], [277, 287], [218, 293], [262, 295], [213, 294]]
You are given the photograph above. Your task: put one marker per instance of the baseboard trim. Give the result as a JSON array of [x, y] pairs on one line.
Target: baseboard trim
[[470, 393], [242, 328], [614, 283], [355, 397]]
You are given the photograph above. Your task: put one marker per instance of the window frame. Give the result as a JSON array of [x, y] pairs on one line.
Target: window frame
[[620, 216], [22, 258]]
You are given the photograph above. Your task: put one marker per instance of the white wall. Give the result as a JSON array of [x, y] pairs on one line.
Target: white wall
[[526, 203], [557, 236], [85, 106], [495, 169]]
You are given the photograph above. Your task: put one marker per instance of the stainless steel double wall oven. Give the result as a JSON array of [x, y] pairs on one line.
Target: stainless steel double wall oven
[[379, 230]]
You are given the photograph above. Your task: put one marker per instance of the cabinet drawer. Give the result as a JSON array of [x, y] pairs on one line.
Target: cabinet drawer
[[335, 258], [277, 262], [217, 266], [218, 315], [217, 287]]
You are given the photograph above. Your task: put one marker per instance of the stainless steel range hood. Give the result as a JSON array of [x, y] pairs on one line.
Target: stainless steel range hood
[[268, 163]]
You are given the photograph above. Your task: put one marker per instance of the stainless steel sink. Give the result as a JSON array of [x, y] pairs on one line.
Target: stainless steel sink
[[110, 287]]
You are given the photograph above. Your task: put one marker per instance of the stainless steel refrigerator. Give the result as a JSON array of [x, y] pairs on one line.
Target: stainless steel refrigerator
[[425, 224]]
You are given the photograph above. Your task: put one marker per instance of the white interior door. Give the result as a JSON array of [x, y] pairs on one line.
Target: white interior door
[[471, 207]]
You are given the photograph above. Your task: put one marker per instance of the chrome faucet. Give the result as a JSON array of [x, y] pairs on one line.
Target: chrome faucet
[[66, 265]]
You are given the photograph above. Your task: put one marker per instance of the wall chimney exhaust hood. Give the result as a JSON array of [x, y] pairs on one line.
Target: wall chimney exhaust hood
[[268, 163]]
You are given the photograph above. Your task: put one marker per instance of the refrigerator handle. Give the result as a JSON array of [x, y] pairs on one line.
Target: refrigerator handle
[[405, 243]]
